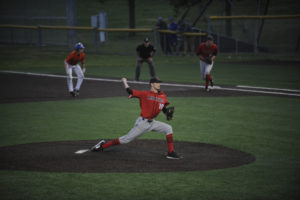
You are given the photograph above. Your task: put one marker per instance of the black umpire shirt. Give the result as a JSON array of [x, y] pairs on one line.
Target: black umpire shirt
[[145, 52]]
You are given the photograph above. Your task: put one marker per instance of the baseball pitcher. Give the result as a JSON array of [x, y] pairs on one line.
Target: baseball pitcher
[[71, 63], [152, 103], [207, 51]]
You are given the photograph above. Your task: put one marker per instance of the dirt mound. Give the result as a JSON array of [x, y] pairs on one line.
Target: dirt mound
[[137, 156]]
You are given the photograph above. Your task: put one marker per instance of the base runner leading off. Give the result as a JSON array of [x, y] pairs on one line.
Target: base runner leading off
[[72, 63], [151, 103], [207, 52]]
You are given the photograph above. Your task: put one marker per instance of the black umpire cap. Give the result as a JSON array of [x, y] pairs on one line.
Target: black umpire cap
[[146, 40], [155, 80]]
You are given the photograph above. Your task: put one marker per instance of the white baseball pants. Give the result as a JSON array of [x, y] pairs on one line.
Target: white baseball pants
[[205, 68], [79, 73], [142, 126]]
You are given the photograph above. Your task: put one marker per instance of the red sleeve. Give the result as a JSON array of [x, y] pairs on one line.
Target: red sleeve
[[137, 93]]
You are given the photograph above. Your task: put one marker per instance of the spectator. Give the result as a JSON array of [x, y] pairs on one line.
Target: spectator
[[162, 25], [172, 37], [186, 41]]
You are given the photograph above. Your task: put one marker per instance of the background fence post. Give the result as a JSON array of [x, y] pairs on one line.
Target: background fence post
[[96, 39], [11, 35], [39, 37], [236, 47], [155, 40], [219, 42]]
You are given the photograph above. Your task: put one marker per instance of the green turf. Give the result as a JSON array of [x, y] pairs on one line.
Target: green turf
[[264, 71], [267, 127]]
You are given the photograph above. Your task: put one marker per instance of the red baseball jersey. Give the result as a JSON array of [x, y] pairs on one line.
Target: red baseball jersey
[[206, 51], [151, 103], [74, 58]]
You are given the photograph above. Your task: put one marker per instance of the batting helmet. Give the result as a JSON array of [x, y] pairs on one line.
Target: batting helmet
[[78, 46]]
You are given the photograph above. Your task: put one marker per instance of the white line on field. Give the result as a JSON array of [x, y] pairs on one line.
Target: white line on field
[[247, 88], [267, 88]]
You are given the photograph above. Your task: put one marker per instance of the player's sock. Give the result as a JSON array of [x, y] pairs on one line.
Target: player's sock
[[170, 142], [111, 143], [207, 80]]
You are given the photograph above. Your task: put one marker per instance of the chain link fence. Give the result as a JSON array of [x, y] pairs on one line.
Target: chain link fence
[[42, 25]]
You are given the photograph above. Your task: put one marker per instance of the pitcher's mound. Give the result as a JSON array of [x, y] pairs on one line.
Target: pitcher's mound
[[137, 156]]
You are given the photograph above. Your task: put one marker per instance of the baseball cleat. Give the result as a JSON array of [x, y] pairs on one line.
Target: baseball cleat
[[211, 83], [76, 92], [207, 89], [173, 155], [73, 94], [98, 146]]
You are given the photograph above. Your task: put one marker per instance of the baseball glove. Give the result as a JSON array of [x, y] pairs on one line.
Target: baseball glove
[[170, 112], [208, 60]]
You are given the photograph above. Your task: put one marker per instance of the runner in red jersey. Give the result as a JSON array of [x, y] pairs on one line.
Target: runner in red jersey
[[207, 52], [152, 103]]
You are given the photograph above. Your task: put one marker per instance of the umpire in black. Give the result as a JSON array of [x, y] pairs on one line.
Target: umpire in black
[[144, 52]]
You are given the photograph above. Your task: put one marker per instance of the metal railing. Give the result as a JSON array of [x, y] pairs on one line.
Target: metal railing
[[39, 37]]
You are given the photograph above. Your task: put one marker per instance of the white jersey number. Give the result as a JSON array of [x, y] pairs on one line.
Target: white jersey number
[[161, 106]]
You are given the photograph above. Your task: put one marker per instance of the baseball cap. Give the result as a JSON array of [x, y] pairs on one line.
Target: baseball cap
[[146, 39], [159, 18], [155, 80], [210, 37]]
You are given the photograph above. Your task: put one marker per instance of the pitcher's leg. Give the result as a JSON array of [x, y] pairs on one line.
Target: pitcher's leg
[[141, 126], [162, 127]]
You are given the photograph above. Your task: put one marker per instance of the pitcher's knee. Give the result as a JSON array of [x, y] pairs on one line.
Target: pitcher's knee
[[168, 129], [125, 139]]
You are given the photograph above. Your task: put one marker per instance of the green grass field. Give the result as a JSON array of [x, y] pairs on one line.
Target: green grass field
[[267, 127]]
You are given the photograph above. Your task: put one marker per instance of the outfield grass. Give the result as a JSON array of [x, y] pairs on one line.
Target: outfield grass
[[266, 127], [264, 71]]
